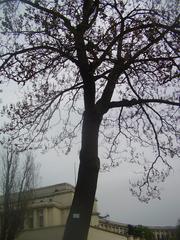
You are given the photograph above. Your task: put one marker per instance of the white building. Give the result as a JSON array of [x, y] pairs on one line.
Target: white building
[[48, 211]]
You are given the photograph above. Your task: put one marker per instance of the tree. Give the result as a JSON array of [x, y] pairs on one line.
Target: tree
[[178, 230], [119, 59], [141, 232], [17, 182]]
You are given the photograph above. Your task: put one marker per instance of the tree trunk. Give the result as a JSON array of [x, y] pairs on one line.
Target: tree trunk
[[78, 222], [5, 217]]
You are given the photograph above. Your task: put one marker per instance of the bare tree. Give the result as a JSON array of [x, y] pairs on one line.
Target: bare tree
[[17, 181], [120, 60]]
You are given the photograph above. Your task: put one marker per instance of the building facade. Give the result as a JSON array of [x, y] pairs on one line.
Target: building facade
[[48, 211]]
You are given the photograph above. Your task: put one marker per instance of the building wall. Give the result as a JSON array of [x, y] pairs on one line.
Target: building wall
[[100, 234], [164, 233], [48, 233], [56, 233], [111, 226], [48, 212]]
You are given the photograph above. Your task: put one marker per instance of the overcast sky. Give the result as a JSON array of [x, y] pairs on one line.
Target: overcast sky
[[114, 197]]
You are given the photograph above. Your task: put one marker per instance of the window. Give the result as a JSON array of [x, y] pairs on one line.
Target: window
[[158, 237], [30, 219], [40, 216]]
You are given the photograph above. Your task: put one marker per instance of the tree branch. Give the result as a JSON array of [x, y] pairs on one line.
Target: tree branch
[[133, 102], [35, 48], [67, 22]]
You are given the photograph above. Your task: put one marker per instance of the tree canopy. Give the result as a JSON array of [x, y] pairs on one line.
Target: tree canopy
[[111, 65]]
